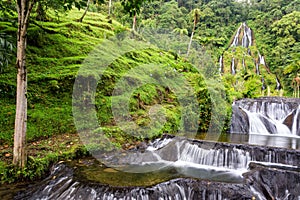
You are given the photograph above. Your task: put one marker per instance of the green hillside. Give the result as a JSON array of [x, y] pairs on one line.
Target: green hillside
[[56, 51], [245, 70]]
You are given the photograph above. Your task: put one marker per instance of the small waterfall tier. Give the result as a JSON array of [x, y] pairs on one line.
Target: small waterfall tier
[[196, 164], [267, 115], [243, 37]]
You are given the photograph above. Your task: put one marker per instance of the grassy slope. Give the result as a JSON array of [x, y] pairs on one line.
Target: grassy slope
[[55, 53]]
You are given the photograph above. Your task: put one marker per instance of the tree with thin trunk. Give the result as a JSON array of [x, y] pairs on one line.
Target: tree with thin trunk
[[133, 7], [109, 7], [24, 8], [134, 22], [196, 17], [85, 11]]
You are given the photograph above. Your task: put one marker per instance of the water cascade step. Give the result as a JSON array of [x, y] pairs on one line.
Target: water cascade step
[[262, 167], [266, 115]]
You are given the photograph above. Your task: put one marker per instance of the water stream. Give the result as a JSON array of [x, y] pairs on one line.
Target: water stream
[[262, 162], [173, 168]]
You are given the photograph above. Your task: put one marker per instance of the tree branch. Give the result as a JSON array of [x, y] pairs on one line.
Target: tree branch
[[30, 6]]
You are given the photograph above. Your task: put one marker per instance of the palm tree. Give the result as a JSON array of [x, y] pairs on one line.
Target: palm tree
[[196, 17], [181, 31]]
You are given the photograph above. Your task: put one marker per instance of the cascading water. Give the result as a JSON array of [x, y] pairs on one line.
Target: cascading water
[[267, 116], [261, 60], [213, 167], [235, 41], [246, 37], [243, 64], [296, 121], [221, 64], [278, 84], [257, 69], [232, 67]]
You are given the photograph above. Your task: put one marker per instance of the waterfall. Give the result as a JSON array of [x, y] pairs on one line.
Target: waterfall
[[243, 63], [246, 37], [249, 35], [232, 67], [278, 84], [296, 122], [245, 42], [257, 68], [221, 64], [256, 124], [261, 60], [224, 156], [232, 159], [263, 85], [235, 41], [217, 159], [271, 115]]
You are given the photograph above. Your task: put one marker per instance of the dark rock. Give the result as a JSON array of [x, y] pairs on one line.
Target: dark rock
[[274, 183], [239, 121], [62, 184]]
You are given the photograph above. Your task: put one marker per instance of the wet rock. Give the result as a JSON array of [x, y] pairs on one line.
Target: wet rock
[[273, 175], [239, 121], [274, 182], [67, 186]]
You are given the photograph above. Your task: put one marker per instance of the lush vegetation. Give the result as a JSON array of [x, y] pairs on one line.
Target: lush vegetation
[[58, 45]]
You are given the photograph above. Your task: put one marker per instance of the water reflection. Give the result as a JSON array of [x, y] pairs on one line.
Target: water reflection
[[275, 141], [272, 140]]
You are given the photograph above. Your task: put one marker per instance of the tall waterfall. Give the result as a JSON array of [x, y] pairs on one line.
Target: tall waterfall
[[246, 40], [271, 115], [235, 41]]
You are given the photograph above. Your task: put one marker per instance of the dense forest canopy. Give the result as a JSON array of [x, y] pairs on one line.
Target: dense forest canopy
[[275, 24]]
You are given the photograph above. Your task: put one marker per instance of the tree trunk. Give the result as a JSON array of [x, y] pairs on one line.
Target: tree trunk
[[85, 11], [24, 8], [109, 7], [191, 39], [134, 22], [21, 106]]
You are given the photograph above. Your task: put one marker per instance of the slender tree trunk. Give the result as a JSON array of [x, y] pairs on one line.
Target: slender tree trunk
[[109, 7], [191, 39], [134, 22], [85, 11], [24, 8]]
